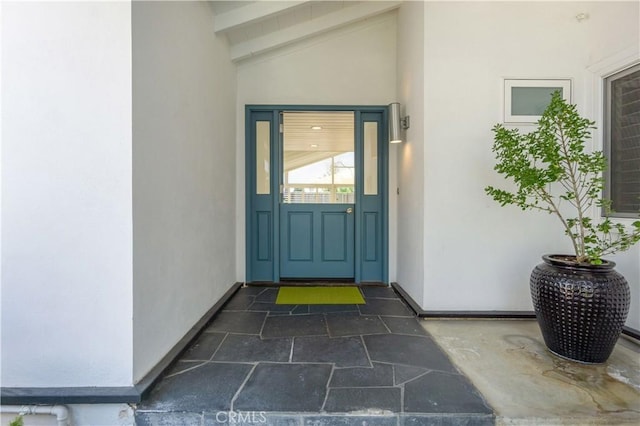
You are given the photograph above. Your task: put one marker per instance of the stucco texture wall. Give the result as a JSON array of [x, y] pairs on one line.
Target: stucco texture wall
[[478, 255], [410, 154], [183, 173], [66, 194]]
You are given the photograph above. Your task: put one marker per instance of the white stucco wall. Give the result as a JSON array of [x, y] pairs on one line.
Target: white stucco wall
[[66, 194], [350, 66], [410, 160], [183, 173], [478, 255]]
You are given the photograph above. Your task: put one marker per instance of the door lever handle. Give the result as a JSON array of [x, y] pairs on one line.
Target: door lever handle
[[349, 210]]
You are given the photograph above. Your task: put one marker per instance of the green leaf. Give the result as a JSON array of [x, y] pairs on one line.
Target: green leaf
[[551, 167], [18, 421]]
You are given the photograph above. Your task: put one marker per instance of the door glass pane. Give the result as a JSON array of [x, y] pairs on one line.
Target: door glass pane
[[263, 149], [370, 158], [318, 158]]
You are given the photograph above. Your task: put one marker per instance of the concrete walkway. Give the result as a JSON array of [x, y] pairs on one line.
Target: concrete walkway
[[525, 384]]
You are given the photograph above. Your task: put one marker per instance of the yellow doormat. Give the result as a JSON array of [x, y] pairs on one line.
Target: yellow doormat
[[319, 296]]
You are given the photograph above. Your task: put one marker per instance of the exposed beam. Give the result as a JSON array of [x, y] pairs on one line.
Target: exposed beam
[[310, 28], [251, 13]]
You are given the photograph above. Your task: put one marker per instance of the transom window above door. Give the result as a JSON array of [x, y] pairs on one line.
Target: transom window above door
[[318, 158]]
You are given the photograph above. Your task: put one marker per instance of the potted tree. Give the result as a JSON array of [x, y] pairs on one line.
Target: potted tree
[[581, 302]]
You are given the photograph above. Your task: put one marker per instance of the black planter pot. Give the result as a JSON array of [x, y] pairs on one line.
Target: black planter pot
[[581, 309]]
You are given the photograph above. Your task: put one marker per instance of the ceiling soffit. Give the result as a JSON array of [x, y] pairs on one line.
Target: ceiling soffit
[[254, 27]]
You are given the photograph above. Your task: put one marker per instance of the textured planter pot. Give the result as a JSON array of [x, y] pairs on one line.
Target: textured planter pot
[[580, 309]]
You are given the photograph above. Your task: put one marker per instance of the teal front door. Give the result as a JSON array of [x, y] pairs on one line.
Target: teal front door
[[316, 193]]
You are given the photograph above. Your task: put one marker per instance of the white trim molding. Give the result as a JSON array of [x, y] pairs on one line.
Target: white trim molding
[[616, 62]]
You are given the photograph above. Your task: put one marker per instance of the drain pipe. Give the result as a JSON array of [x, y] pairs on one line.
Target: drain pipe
[[60, 411]]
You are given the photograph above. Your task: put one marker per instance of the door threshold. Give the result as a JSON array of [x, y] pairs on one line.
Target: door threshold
[[315, 282]]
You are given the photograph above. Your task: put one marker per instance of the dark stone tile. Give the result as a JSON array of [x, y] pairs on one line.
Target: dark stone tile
[[385, 307], [268, 295], [403, 373], [354, 325], [167, 419], [271, 308], [238, 322], [182, 366], [196, 390], [279, 310], [327, 309], [447, 420], [414, 351], [343, 351], [285, 388], [250, 418], [345, 400], [204, 347], [239, 302], [279, 313], [351, 420], [301, 310], [282, 420], [379, 375], [243, 348], [405, 326], [438, 392], [294, 325], [379, 292], [259, 307], [253, 290]]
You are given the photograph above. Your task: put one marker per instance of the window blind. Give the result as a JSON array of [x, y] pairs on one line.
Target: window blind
[[623, 133]]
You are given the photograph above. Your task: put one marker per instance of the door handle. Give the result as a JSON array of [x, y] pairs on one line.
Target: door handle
[[349, 210]]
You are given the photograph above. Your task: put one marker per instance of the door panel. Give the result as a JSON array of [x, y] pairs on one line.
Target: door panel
[[263, 234], [317, 241], [299, 236], [370, 236], [335, 236]]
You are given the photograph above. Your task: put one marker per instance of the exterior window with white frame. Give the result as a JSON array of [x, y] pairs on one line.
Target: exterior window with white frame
[[622, 141], [526, 99]]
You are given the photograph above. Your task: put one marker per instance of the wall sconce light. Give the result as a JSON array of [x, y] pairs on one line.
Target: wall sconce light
[[396, 123]]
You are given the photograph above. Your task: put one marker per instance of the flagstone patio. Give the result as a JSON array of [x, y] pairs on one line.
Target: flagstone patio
[[377, 364], [258, 362]]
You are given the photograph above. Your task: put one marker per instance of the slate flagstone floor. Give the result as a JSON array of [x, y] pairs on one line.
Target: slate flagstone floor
[[262, 363]]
